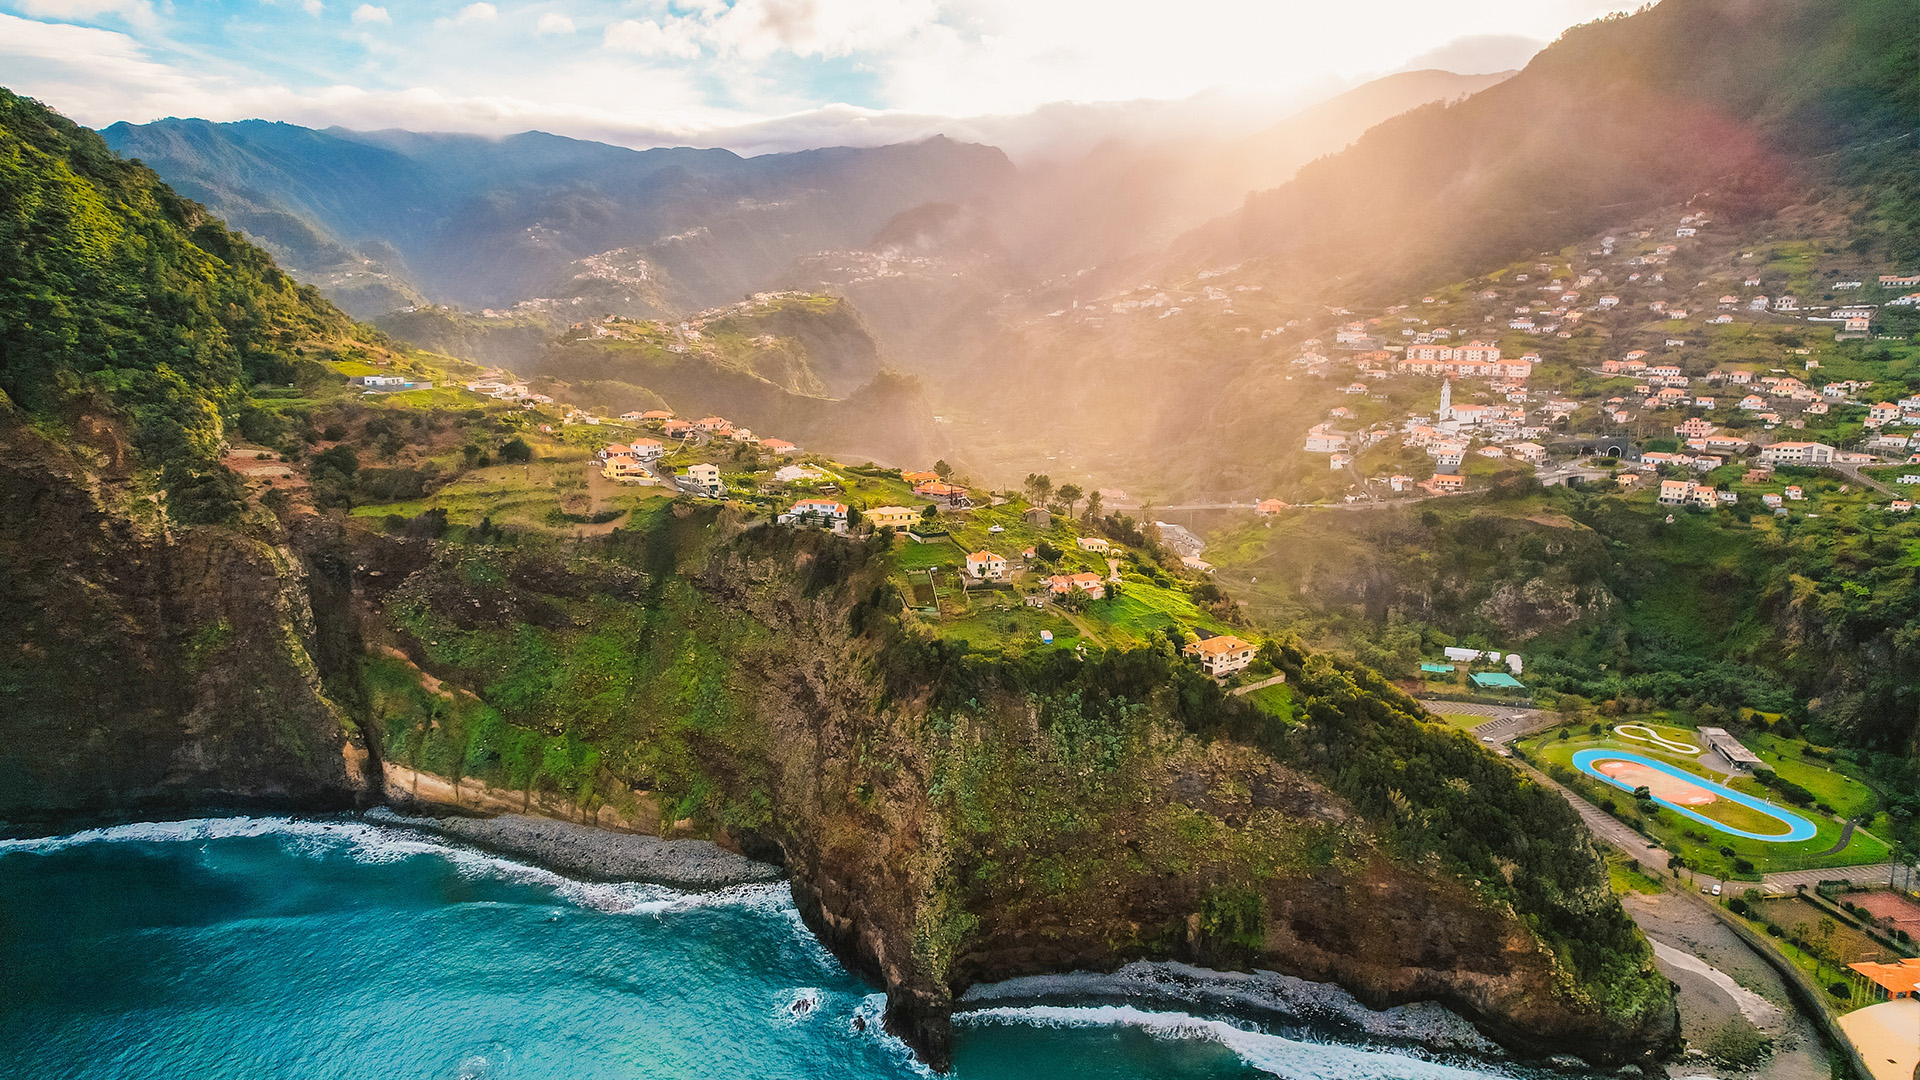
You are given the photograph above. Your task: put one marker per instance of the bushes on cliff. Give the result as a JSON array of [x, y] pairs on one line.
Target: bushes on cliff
[[1435, 792]]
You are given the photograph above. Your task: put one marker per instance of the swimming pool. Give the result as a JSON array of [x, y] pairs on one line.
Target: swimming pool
[[1798, 828]]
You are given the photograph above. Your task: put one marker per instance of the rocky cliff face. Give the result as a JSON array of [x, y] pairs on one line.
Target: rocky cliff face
[[939, 849], [145, 667], [933, 841]]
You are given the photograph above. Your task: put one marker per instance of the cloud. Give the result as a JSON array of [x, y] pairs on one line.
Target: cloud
[[827, 28], [649, 38], [134, 11], [759, 75], [1479, 54], [313, 7], [474, 13]]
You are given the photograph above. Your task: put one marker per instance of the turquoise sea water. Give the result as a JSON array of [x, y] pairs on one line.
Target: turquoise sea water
[[307, 948]]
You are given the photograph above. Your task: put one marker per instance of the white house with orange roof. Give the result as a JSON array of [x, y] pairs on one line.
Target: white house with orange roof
[[986, 566], [1089, 583], [825, 512], [1221, 655]]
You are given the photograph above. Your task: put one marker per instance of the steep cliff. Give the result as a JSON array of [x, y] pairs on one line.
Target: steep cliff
[[151, 666], [948, 820]]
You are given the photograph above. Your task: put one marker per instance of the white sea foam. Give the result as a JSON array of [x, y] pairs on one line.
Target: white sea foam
[[798, 1005], [870, 1015], [1294, 1059], [377, 844]]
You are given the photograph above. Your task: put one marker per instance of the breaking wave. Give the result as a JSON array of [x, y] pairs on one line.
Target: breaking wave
[[375, 844], [1295, 1059]]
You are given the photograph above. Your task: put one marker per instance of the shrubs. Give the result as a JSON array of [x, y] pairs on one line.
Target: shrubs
[[1788, 790]]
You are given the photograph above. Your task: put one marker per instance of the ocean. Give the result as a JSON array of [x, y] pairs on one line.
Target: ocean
[[279, 947]]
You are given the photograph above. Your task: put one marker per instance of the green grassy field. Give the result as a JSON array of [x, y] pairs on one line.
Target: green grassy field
[[1701, 845], [1625, 876], [1276, 699], [1462, 721]]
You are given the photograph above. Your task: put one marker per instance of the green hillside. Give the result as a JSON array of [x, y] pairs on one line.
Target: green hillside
[[420, 579]]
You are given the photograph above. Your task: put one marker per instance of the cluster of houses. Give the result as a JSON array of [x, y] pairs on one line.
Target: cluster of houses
[[502, 387], [633, 462]]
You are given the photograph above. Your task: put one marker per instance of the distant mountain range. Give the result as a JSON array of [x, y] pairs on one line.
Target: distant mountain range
[[381, 220], [391, 219]]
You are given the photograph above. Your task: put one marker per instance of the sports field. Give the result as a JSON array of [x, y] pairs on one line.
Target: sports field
[[1694, 796], [1701, 814]]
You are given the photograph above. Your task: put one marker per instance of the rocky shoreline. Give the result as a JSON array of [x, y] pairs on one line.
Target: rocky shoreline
[[595, 854], [1271, 996]]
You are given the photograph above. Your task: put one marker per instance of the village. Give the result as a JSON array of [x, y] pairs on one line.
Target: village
[[1714, 387], [998, 569]]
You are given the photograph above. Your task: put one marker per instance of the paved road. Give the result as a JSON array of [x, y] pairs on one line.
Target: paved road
[[1852, 472]]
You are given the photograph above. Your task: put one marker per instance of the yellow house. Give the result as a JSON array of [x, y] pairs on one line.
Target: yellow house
[[626, 469], [894, 517]]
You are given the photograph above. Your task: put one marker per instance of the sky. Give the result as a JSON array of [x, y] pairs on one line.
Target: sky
[[752, 75]]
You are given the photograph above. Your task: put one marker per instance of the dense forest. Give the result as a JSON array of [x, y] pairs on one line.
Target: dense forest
[[116, 291]]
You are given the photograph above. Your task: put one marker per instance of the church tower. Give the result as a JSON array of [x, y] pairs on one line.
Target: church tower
[[1446, 400]]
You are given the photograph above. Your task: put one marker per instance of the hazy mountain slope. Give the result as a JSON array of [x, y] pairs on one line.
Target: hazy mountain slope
[[479, 221], [800, 368], [1126, 197], [1731, 105]]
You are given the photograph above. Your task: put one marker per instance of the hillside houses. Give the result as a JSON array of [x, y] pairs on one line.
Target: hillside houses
[[1092, 585], [986, 566], [827, 513], [1797, 453], [897, 518], [1221, 655], [1323, 439]]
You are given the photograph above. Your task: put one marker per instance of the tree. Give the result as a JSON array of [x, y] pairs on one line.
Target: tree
[[1093, 505], [929, 512], [853, 517], [516, 451], [1039, 488], [1071, 495], [943, 470]]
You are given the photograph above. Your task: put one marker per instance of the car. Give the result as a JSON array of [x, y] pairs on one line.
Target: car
[[1704, 888], [1716, 888]]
